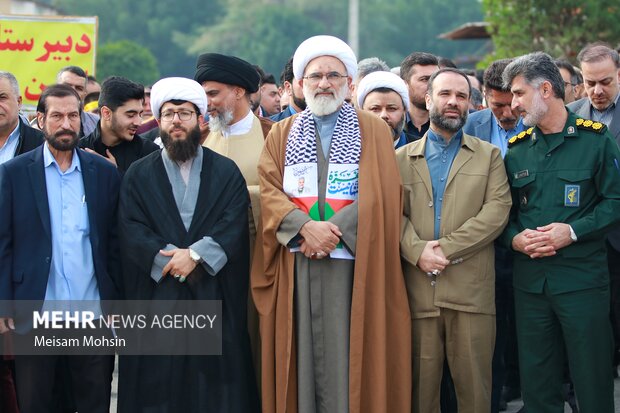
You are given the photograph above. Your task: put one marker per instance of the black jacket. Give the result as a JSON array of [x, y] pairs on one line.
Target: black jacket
[[29, 138], [125, 152]]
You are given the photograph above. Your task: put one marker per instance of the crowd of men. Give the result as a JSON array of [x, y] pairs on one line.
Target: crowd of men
[[416, 239]]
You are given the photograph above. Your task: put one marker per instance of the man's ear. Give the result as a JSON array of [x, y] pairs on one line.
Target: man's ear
[[105, 112], [40, 122]]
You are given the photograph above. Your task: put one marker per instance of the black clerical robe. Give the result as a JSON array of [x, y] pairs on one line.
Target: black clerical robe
[[150, 220]]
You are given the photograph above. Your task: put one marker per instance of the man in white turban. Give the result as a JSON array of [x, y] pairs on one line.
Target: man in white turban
[[185, 237], [327, 280], [385, 94]]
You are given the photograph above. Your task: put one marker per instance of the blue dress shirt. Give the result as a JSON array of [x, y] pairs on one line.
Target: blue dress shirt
[[604, 116], [7, 152], [72, 273], [500, 136], [439, 156]]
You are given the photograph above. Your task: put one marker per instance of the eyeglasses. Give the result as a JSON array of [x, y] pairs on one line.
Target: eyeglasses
[[332, 77], [184, 115], [567, 84]]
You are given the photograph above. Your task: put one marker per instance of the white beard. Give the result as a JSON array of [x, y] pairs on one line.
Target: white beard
[[325, 105], [221, 121]]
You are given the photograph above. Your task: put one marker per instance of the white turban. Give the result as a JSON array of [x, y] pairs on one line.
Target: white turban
[[376, 80], [177, 88], [323, 46]]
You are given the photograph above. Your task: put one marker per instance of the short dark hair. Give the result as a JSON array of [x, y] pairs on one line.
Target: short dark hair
[[117, 90], [91, 97], [91, 78], [565, 64], [595, 52], [78, 71], [261, 74], [269, 78], [57, 91], [447, 70], [287, 74], [492, 78], [446, 62], [416, 58], [476, 97], [535, 68]]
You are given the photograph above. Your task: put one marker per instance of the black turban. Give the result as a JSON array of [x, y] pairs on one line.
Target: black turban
[[226, 69]]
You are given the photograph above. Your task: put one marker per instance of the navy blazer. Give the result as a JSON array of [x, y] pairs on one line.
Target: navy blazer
[[480, 124], [25, 229]]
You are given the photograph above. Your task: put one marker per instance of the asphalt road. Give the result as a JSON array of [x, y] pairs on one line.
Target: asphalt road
[[513, 406]]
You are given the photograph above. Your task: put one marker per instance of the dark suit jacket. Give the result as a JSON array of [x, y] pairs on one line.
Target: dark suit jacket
[[581, 108], [480, 124], [282, 115], [25, 229], [29, 138]]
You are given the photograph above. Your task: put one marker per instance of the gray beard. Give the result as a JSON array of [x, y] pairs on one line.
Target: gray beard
[[221, 121], [451, 125]]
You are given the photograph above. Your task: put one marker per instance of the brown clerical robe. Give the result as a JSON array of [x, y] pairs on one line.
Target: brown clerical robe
[[379, 335]]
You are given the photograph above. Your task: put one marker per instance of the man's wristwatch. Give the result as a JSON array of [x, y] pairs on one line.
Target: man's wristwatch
[[194, 256]]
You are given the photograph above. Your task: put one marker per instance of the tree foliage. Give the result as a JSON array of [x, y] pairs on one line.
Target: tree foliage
[[127, 59], [266, 32], [152, 24], [392, 30], [560, 28], [259, 34]]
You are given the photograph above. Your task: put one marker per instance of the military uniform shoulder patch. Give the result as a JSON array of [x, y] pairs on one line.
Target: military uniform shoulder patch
[[523, 136], [590, 125]]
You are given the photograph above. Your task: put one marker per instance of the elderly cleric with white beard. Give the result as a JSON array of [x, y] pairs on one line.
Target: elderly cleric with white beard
[[330, 299]]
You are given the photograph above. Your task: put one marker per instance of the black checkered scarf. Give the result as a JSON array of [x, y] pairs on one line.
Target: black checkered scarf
[[346, 145]]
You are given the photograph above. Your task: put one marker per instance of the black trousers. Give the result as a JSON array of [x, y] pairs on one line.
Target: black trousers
[[90, 376], [613, 261]]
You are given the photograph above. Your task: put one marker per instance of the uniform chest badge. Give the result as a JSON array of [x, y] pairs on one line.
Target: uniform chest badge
[[522, 174], [571, 195]]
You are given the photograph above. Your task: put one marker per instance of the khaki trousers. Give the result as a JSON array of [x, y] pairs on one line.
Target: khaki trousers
[[467, 341]]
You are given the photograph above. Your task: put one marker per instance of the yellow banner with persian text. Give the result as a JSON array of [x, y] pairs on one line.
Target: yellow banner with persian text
[[35, 48]]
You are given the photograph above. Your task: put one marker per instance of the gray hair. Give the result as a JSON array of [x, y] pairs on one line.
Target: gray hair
[[535, 68], [595, 52], [12, 81], [369, 65]]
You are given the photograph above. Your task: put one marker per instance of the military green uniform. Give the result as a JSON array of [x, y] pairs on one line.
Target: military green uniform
[[571, 177]]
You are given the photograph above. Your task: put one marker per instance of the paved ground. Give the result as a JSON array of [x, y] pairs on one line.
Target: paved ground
[[513, 406]]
